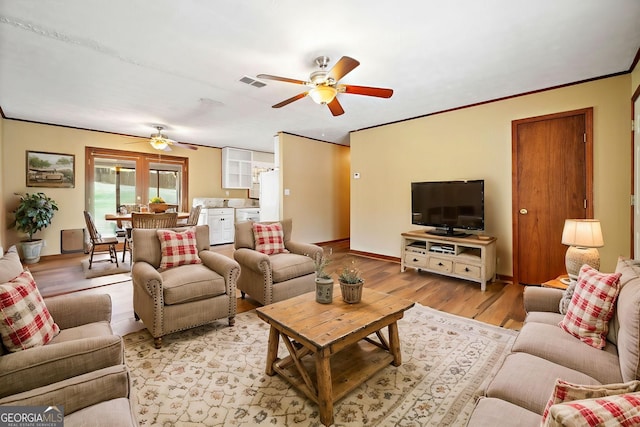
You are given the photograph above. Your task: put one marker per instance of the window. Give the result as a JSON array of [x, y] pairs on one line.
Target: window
[[117, 178]]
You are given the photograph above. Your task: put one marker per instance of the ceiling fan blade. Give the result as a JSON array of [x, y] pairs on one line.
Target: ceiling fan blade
[[368, 91], [335, 107], [187, 146], [343, 67], [290, 100], [280, 79]]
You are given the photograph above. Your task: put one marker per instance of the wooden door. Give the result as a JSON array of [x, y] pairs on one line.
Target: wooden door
[[552, 181]]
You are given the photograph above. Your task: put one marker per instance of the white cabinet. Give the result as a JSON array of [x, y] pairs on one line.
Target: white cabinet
[[469, 258], [220, 222], [237, 167]]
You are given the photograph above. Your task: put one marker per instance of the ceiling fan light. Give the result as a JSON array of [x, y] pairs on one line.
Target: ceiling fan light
[[323, 94], [159, 143]]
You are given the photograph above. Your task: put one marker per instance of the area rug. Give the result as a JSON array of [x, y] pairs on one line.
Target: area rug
[[104, 268], [214, 376]]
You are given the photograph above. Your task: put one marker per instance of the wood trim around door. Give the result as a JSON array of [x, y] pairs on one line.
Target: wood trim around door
[[588, 116]]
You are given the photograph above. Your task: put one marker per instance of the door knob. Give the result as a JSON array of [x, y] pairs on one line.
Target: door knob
[[524, 211]]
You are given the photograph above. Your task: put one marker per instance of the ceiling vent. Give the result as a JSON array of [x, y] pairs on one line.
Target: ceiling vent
[[253, 82]]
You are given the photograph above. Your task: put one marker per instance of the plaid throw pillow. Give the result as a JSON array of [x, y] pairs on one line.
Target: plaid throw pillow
[[25, 321], [591, 306], [269, 238], [178, 248], [602, 405]]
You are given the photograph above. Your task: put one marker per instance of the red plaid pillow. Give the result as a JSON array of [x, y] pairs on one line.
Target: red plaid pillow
[[178, 248], [25, 321], [602, 405], [591, 306], [269, 238]]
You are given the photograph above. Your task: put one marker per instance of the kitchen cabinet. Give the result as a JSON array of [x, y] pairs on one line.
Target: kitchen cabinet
[[221, 224], [237, 168]]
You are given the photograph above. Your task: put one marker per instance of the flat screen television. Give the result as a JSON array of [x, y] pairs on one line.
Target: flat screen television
[[448, 205]]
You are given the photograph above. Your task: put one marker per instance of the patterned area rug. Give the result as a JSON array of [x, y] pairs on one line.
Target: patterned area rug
[[214, 376]]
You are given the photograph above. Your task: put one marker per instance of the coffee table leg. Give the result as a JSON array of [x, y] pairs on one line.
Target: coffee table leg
[[394, 344], [325, 389], [272, 352]]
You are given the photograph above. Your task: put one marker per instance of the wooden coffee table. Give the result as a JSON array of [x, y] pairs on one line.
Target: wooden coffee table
[[340, 338]]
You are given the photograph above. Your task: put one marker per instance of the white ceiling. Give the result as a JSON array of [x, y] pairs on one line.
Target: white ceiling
[[125, 65]]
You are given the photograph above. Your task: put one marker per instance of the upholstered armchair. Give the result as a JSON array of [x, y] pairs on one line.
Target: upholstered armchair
[[275, 277], [183, 296]]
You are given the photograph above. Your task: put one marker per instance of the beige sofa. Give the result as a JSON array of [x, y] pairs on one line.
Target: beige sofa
[[81, 368], [543, 352]]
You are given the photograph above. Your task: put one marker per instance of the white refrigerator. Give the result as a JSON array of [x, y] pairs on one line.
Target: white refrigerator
[[270, 196]]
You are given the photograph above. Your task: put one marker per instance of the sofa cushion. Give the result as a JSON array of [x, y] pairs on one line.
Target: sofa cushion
[[289, 266], [527, 381], [25, 321], [491, 412], [552, 343], [591, 306], [627, 320], [178, 248], [269, 238], [191, 283], [564, 391], [613, 411], [10, 265]]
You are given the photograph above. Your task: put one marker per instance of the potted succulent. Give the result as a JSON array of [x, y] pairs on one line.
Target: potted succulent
[[34, 213], [324, 281], [157, 205], [351, 283]]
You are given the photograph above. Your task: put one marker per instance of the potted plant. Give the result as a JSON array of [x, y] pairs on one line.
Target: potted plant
[[157, 205], [351, 283], [324, 281], [34, 212]]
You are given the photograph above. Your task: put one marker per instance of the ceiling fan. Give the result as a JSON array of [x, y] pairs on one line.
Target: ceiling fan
[[324, 85], [161, 142]]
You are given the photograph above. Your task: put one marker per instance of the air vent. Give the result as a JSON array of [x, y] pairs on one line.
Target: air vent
[[252, 82]]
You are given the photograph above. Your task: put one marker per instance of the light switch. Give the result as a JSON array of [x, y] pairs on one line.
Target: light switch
[[287, 192]]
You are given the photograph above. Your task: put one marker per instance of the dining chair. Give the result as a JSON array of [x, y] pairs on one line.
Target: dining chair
[[99, 242], [150, 220], [194, 216]]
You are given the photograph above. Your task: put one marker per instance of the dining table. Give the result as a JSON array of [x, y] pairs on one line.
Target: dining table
[[127, 216]]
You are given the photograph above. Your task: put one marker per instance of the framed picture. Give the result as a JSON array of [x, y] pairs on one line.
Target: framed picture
[[51, 170]]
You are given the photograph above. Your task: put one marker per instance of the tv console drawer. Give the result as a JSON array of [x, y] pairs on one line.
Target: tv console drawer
[[415, 259], [439, 264], [467, 270]]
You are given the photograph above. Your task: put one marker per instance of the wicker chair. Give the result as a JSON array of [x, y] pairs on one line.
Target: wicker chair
[[100, 243], [149, 220], [194, 215]]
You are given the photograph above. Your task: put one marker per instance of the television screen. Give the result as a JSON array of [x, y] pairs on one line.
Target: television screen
[[448, 205]]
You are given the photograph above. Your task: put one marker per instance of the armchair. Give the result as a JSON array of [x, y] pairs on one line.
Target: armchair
[[273, 278], [181, 297]]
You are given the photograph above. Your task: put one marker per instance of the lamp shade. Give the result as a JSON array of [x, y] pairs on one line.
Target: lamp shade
[[582, 233], [323, 94], [158, 142]]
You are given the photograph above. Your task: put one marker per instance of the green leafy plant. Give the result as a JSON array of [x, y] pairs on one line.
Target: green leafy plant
[[34, 213], [350, 274], [156, 200]]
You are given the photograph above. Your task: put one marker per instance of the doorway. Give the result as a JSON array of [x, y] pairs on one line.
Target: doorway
[[552, 161]]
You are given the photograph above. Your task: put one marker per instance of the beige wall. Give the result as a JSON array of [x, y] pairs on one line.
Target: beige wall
[[205, 176], [317, 177], [476, 143], [635, 79]]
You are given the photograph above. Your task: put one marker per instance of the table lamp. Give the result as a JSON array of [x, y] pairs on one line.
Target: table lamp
[[583, 237]]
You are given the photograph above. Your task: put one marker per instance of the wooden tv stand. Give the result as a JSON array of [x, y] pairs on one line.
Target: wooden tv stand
[[467, 258]]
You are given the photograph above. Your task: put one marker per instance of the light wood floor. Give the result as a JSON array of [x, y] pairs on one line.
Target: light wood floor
[[501, 304]]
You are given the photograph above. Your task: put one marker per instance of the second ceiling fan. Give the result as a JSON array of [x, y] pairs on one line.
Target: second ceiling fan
[[325, 85]]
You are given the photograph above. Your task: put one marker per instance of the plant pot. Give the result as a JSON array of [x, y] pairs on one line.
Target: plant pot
[[324, 290], [31, 251], [351, 292], [158, 207]]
